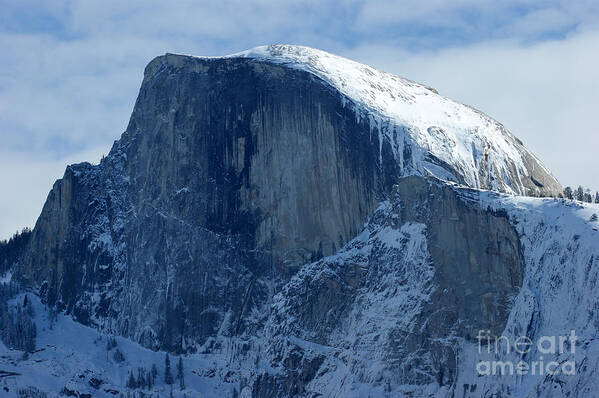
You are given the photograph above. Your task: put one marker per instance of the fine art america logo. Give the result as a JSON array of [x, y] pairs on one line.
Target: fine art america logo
[[551, 346]]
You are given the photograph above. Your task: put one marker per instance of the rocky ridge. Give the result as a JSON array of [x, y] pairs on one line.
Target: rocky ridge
[[314, 213]]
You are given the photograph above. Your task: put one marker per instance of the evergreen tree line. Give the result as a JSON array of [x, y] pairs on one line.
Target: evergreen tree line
[[11, 249], [31, 392], [146, 379], [168, 375], [141, 394], [582, 194], [18, 328]]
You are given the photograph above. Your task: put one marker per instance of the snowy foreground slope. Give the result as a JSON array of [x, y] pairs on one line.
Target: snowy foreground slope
[[381, 293], [72, 360]]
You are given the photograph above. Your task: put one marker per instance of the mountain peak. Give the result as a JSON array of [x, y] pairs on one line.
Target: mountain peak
[[453, 141], [268, 215]]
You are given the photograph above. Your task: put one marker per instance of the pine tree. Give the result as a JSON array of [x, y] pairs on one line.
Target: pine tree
[[596, 197], [580, 193], [154, 373], [180, 374], [141, 377], [168, 376], [107, 348], [52, 315], [568, 193], [131, 381], [588, 197], [30, 336], [149, 381], [118, 356], [110, 343]]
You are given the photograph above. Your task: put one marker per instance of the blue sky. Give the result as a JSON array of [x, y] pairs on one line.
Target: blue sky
[[70, 70]]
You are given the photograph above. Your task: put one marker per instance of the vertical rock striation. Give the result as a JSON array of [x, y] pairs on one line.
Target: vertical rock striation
[[229, 170], [235, 171]]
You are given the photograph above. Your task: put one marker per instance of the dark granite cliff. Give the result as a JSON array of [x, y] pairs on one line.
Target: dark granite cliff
[[232, 173], [228, 171]]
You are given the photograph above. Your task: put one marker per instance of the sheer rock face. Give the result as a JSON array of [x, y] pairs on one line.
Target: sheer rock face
[[253, 149], [232, 173], [229, 169]]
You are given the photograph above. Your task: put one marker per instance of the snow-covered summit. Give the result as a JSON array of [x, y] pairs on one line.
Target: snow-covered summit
[[480, 151]]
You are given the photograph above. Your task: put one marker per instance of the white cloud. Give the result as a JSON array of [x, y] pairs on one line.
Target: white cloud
[[541, 22]]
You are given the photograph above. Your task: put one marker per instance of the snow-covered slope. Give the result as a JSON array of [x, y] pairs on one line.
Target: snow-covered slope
[[480, 151], [73, 360]]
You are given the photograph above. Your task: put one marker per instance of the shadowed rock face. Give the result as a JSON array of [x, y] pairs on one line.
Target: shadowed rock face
[[476, 254], [228, 169], [253, 149]]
